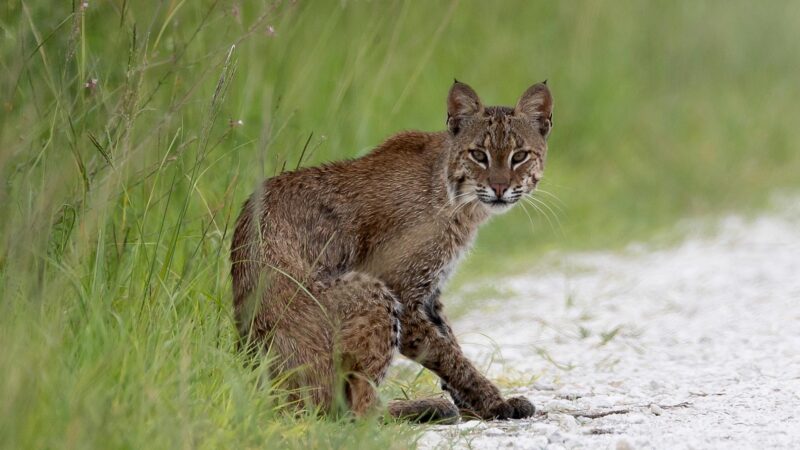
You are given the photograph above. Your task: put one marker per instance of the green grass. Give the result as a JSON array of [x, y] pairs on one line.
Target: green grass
[[117, 199]]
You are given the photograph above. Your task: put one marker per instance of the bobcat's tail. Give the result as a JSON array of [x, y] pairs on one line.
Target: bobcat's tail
[[438, 410]]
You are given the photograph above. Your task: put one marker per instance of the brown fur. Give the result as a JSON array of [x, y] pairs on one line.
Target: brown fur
[[341, 265]]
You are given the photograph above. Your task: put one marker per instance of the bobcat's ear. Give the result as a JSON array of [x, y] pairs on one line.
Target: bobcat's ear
[[536, 104], [462, 102]]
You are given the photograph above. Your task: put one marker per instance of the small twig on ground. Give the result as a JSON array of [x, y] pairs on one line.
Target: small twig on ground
[[597, 414], [704, 394]]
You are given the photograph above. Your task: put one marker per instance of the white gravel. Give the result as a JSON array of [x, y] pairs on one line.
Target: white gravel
[[696, 346]]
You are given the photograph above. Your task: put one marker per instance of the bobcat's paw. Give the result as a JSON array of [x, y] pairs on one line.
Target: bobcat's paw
[[513, 408], [499, 411], [522, 407]]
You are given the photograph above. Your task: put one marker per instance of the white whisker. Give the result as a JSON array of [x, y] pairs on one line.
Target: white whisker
[[530, 200], [543, 203], [530, 219], [550, 194]]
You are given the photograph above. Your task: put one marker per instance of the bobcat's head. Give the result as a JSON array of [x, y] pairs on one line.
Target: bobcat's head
[[497, 153]]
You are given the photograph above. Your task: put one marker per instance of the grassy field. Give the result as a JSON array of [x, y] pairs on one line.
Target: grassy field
[[131, 131]]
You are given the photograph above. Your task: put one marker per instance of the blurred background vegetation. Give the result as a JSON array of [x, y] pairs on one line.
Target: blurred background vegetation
[[131, 131]]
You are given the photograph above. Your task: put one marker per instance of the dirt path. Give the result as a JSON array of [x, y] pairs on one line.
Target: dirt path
[[693, 347]]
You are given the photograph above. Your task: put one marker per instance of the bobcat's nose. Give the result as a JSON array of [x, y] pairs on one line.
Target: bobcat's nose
[[499, 189]]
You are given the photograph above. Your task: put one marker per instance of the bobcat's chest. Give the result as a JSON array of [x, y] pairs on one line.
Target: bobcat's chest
[[417, 261]]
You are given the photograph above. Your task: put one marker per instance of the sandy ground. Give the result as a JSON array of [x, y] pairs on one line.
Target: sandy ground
[[696, 346]]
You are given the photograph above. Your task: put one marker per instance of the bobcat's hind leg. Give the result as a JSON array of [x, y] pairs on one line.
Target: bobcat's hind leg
[[367, 337]]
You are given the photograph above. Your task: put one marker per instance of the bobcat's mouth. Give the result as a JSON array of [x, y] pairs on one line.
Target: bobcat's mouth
[[498, 205], [494, 203]]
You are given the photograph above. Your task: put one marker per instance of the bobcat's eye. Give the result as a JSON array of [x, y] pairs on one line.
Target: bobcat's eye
[[479, 156], [519, 157]]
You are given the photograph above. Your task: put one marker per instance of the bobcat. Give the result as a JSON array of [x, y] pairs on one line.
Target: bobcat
[[337, 267]]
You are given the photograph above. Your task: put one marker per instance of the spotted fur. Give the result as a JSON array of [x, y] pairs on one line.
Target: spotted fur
[[338, 266]]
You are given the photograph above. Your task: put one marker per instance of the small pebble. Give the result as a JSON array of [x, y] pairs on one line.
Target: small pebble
[[636, 418], [566, 422], [655, 409], [606, 401], [538, 441], [555, 438], [493, 431], [557, 405], [583, 420], [472, 425], [431, 439], [624, 444], [570, 396]]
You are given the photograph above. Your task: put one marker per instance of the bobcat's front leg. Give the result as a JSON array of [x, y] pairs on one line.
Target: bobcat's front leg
[[429, 340]]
